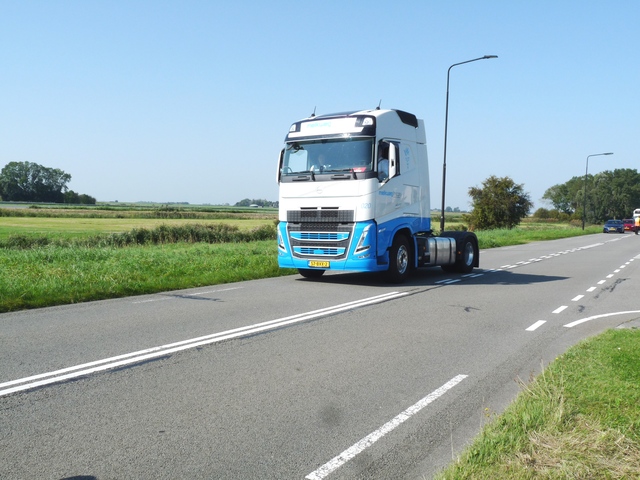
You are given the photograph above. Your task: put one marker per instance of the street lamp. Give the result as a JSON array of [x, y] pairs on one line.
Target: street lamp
[[446, 121], [584, 195]]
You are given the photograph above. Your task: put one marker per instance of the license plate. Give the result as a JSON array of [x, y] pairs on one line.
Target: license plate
[[319, 263]]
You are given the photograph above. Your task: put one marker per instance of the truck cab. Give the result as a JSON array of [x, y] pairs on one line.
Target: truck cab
[[354, 195]]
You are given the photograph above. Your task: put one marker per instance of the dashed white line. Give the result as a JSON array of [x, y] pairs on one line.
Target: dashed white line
[[533, 327], [560, 309], [576, 298]]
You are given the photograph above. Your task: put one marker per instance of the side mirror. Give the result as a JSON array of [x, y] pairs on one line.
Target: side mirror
[[279, 172], [393, 162]]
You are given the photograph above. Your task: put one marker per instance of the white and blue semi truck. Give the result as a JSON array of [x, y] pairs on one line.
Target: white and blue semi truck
[[354, 196]]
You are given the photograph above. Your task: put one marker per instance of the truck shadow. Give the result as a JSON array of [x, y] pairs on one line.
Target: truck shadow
[[434, 277]]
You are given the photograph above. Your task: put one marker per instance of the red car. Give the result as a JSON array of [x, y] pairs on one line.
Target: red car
[[628, 224]]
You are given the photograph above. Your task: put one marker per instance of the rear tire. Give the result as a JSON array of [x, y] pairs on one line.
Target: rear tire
[[310, 272], [467, 259], [400, 260]]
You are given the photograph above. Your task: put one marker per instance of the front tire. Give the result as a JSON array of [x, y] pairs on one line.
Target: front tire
[[399, 260]]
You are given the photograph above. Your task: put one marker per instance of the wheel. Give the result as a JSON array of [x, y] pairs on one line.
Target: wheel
[[310, 272], [464, 264], [399, 260]]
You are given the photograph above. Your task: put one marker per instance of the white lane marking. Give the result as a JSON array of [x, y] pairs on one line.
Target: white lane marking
[[168, 296], [533, 327], [141, 355], [560, 309], [595, 317], [591, 289], [601, 282], [576, 298], [373, 437], [610, 275]]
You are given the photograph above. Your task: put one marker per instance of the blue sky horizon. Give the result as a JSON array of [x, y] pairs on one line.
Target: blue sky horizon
[[190, 101]]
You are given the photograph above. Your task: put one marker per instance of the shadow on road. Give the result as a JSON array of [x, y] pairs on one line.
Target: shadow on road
[[424, 277]]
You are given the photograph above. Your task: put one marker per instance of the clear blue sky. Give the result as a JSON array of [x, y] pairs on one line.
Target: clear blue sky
[[172, 101]]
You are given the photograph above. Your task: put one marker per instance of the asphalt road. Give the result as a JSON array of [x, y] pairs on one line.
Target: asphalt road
[[342, 378]]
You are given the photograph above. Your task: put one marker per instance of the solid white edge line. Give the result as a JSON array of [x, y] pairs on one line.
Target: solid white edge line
[[578, 322], [113, 362], [373, 437], [533, 327]]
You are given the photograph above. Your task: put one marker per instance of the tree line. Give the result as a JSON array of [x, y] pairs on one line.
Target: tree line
[[606, 195], [31, 182]]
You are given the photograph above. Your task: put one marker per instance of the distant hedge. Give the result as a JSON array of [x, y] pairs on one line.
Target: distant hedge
[[218, 233]]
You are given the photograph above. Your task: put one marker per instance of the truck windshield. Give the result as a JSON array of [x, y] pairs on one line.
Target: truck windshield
[[330, 156]]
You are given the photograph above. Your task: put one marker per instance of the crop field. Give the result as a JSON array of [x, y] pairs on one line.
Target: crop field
[[70, 227]]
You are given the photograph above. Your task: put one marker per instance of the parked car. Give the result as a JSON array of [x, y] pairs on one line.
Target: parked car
[[613, 226], [628, 223]]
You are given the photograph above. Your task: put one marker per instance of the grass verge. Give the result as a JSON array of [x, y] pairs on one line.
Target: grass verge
[[579, 419], [530, 233], [55, 275]]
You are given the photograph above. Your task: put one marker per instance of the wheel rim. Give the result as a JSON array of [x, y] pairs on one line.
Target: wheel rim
[[469, 254], [402, 259]]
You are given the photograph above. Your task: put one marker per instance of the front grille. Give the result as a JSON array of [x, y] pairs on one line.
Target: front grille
[[319, 236], [320, 232], [320, 215], [318, 252]]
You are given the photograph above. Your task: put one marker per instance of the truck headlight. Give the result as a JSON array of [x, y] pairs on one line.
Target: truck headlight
[[363, 244], [281, 242]]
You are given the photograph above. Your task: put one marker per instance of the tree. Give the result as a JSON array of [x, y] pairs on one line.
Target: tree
[[566, 197], [30, 182], [500, 203]]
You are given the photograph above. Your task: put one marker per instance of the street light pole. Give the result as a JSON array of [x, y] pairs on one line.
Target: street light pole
[[584, 194], [446, 121]]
